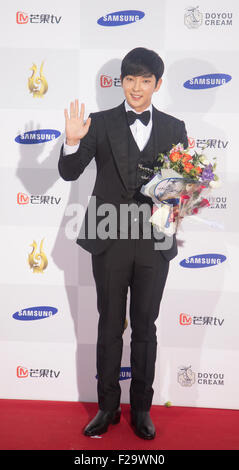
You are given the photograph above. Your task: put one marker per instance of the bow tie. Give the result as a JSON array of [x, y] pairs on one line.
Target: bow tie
[[143, 117]]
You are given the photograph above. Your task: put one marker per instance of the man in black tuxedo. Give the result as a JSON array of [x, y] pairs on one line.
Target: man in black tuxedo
[[121, 139]]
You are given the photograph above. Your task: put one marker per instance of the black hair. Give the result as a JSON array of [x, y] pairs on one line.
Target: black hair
[[141, 61]]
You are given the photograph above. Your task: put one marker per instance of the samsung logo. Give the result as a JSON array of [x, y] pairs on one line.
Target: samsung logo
[[203, 261], [125, 373], [37, 137], [119, 18], [35, 313], [207, 81]]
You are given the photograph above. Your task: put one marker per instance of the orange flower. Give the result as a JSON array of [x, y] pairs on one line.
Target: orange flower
[[188, 167], [198, 169], [175, 156], [186, 158]]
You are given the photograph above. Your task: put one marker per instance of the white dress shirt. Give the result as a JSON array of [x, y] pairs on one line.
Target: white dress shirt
[[140, 132]]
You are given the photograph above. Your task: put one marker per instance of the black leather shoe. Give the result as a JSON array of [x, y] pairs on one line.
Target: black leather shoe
[[142, 424], [101, 421]]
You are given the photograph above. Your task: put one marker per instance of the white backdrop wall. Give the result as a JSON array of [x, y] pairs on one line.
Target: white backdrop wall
[[48, 321]]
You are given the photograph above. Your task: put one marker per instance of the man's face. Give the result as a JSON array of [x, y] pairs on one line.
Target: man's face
[[138, 90]]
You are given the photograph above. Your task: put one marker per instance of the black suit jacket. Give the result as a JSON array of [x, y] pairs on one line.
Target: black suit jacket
[[107, 141]]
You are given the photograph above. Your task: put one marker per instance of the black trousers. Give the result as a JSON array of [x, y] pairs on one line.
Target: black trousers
[[135, 265]]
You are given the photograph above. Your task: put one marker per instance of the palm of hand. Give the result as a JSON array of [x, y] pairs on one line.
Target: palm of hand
[[76, 128]]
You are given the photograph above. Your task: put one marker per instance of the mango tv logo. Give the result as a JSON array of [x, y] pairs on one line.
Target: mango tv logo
[[120, 18], [207, 81], [203, 261]]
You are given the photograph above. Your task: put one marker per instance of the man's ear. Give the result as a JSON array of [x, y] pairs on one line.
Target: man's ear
[[158, 84]]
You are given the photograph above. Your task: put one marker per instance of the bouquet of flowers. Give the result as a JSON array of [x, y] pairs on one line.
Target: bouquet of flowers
[[178, 184]]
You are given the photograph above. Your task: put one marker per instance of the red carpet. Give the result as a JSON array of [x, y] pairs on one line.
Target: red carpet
[[44, 425]]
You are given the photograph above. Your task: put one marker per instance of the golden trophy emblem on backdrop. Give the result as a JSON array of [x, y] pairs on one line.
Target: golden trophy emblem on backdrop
[[38, 86], [37, 261]]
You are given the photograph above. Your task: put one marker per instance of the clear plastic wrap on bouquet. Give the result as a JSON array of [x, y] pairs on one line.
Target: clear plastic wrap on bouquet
[[174, 198]]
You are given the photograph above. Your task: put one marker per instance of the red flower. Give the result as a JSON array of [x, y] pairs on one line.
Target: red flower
[[184, 197], [204, 203]]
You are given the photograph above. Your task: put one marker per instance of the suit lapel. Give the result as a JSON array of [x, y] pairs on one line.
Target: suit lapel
[[160, 130], [117, 129]]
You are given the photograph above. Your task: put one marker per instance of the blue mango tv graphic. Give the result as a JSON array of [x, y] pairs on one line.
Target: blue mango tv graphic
[[35, 313], [38, 136], [203, 261], [120, 18], [207, 81]]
